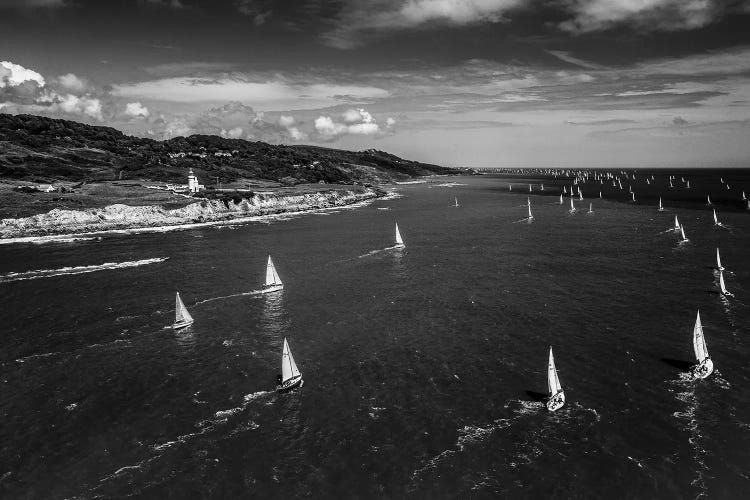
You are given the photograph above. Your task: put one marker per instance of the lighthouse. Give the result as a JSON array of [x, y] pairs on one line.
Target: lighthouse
[[193, 185]]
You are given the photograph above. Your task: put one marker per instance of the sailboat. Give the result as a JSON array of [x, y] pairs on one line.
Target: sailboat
[[399, 240], [182, 317], [716, 220], [600, 194], [676, 224], [718, 261], [708, 200], [510, 187], [572, 207], [531, 217], [744, 196], [556, 395], [456, 204], [561, 199], [723, 287], [273, 282], [661, 208], [687, 185], [290, 376], [580, 194], [529, 188], [705, 366], [591, 208], [633, 195], [682, 232]]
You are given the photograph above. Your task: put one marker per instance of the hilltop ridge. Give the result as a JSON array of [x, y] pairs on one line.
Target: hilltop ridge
[[41, 149]]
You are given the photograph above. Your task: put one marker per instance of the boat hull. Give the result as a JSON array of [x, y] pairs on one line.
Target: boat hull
[[272, 288], [704, 369], [399, 245], [290, 384], [556, 402], [182, 324]]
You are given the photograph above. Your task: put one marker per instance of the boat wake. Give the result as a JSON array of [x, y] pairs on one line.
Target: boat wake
[[380, 250], [528, 220], [222, 297], [67, 271], [688, 417], [205, 426], [40, 240]]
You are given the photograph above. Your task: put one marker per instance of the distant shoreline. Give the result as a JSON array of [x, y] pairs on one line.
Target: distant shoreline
[[70, 225]]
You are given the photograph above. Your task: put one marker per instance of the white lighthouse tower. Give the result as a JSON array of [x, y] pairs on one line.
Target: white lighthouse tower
[[193, 185]]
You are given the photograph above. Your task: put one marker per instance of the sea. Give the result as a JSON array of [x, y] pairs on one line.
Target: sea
[[425, 368]]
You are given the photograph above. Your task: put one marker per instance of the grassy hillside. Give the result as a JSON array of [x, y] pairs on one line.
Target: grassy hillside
[[40, 149]]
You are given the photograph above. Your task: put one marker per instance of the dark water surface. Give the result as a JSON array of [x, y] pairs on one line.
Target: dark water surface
[[421, 366]]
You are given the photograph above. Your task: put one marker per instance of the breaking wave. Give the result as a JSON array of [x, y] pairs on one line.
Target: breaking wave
[[66, 271]]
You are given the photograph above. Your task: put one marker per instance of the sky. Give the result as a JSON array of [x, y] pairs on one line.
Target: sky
[[474, 83]]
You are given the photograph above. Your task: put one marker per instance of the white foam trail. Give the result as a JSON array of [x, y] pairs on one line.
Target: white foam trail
[[241, 294], [448, 184], [39, 240], [34, 356], [67, 271]]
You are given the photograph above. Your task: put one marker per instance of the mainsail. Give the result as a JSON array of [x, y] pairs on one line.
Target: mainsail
[[572, 207], [676, 223], [660, 206], [272, 277], [716, 220], [530, 215], [721, 283], [682, 231], [561, 199], [553, 381], [399, 240], [288, 366], [181, 314], [699, 341], [718, 261]]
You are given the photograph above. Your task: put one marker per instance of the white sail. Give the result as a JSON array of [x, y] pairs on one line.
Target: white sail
[[528, 201], [510, 187], [181, 314], [633, 195], [718, 261], [591, 208], [529, 188], [600, 194], [272, 277], [565, 190], [721, 283], [456, 202], [688, 185], [288, 366], [660, 205], [708, 200], [716, 220], [572, 207], [530, 215], [580, 194], [682, 232], [744, 196], [399, 240], [561, 199], [553, 381], [676, 223], [699, 341]]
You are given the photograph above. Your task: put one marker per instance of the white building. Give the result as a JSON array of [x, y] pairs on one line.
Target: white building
[[193, 185]]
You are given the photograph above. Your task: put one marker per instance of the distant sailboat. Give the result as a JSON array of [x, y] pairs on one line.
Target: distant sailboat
[[510, 187], [456, 205], [565, 190], [676, 224], [290, 376], [633, 196], [718, 261], [716, 220], [572, 207], [688, 185], [661, 208], [273, 282], [600, 194], [529, 188], [705, 366], [399, 240], [722, 286], [708, 200], [591, 208], [542, 187], [556, 395], [744, 196], [561, 199], [182, 317], [682, 232]]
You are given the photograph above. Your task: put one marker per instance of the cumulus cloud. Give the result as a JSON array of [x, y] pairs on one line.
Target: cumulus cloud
[[136, 110], [669, 15], [234, 133], [71, 82], [354, 122], [13, 75], [82, 105]]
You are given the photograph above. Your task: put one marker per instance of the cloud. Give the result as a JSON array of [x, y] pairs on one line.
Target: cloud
[[650, 15], [71, 82], [234, 133], [367, 17], [276, 93], [27, 4], [355, 122], [13, 75], [258, 10], [570, 59], [82, 105], [136, 110]]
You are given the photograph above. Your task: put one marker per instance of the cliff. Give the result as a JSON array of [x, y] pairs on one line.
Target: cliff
[[63, 221]]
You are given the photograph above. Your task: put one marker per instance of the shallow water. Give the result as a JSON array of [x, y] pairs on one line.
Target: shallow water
[[422, 366]]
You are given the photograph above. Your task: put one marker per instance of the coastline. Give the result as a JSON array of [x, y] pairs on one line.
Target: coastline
[[70, 225]]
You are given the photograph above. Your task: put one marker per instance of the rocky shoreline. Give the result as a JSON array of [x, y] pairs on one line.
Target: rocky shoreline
[[122, 217]]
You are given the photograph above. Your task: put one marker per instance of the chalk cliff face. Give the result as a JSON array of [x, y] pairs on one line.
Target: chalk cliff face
[[125, 217]]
